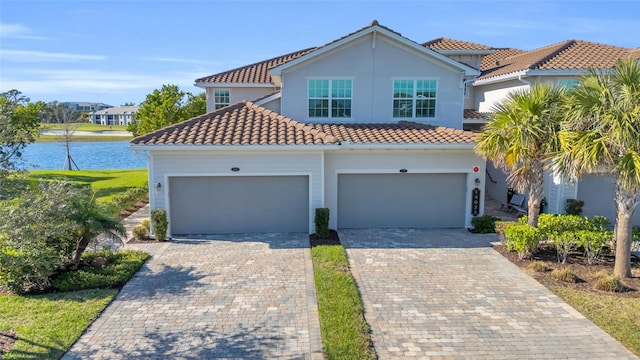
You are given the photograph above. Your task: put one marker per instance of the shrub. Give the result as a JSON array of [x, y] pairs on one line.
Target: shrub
[[538, 266], [564, 275], [500, 226], [147, 224], [599, 223], [160, 223], [121, 266], [485, 224], [322, 222], [609, 283], [127, 199], [27, 266], [635, 233], [573, 207], [140, 232], [563, 243], [523, 239], [592, 242]]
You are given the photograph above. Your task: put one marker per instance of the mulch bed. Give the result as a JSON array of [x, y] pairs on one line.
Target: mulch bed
[[7, 339], [577, 263], [127, 212], [332, 240]]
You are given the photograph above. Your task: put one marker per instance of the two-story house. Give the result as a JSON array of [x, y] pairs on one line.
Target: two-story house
[[369, 126], [120, 115]]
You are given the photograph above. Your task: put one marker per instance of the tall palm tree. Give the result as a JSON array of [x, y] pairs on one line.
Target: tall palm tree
[[520, 136], [602, 134]]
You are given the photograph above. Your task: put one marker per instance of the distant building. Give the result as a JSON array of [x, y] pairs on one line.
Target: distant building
[[121, 115], [85, 106]]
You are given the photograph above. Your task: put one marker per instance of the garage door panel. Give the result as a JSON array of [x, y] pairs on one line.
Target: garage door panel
[[401, 200], [209, 205]]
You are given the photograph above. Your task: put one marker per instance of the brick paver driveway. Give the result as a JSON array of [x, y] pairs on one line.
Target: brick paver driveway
[[445, 294], [236, 297]]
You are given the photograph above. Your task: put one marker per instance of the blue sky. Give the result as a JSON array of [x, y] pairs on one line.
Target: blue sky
[[119, 51]]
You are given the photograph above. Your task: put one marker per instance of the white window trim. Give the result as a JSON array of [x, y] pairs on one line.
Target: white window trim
[[415, 88], [329, 79], [215, 104]]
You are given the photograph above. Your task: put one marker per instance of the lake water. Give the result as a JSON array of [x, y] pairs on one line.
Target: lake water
[[87, 155]]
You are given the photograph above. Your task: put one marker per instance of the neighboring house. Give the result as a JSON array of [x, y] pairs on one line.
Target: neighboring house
[[369, 126], [85, 106], [558, 64], [121, 115]]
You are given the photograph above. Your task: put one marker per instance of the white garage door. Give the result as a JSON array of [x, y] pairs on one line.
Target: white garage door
[[597, 192], [216, 205], [401, 200]]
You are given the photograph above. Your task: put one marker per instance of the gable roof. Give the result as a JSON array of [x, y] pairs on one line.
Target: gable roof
[[375, 27], [566, 55], [118, 110], [443, 43], [492, 60], [253, 73], [245, 123]]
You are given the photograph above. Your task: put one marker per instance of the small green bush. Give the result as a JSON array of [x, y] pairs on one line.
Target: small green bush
[[160, 223], [322, 222], [563, 243], [592, 242], [573, 207], [523, 239], [140, 232], [635, 233], [537, 266], [127, 199], [485, 224], [499, 229], [609, 283], [147, 224], [121, 266], [564, 275], [599, 223]]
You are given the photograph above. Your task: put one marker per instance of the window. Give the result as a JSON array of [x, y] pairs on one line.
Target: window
[[568, 83], [414, 98], [220, 98], [330, 98]]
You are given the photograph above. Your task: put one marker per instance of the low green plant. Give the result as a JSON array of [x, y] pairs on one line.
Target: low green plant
[[140, 232], [147, 224], [635, 233], [523, 239], [160, 223], [608, 282], [564, 275], [573, 207], [321, 221], [485, 224], [119, 268], [499, 229], [537, 266], [128, 198], [592, 242], [563, 243]]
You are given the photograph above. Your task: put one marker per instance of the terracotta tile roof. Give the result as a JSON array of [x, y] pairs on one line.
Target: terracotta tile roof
[[403, 132], [443, 43], [243, 123], [266, 96], [490, 61], [253, 73], [246, 123], [567, 55], [473, 114]]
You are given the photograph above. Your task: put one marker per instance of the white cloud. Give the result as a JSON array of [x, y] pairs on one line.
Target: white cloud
[[42, 56], [18, 31]]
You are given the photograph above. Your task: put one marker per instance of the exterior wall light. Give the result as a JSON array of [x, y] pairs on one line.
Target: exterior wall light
[[234, 169], [403, 170], [477, 181], [158, 185]]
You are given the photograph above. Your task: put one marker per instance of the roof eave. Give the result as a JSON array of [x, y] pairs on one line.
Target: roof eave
[[204, 85], [500, 78], [192, 147], [407, 146], [375, 28]]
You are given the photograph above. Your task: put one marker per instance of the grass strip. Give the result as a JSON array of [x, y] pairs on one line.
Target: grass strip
[[84, 127], [345, 333], [618, 316], [84, 138], [48, 324], [106, 183]]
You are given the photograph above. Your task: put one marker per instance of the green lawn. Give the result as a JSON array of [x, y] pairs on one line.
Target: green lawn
[[84, 138], [47, 325], [107, 183], [620, 317], [85, 127], [345, 333]]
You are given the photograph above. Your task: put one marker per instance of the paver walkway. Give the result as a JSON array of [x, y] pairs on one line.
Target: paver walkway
[[235, 296], [444, 294]]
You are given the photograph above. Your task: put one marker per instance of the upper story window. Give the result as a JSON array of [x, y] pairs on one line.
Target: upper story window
[[414, 98], [220, 98], [330, 98], [568, 83]]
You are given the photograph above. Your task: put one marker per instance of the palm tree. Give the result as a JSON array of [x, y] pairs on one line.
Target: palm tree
[[602, 134], [90, 220], [520, 136]]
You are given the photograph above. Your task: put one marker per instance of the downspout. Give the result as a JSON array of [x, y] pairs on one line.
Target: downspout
[[523, 80]]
